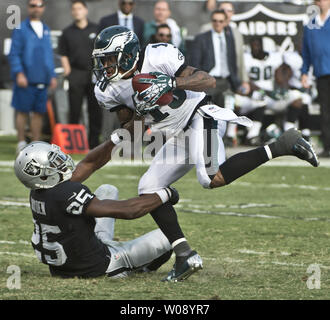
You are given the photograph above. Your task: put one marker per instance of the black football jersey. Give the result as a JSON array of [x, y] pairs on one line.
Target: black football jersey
[[63, 236]]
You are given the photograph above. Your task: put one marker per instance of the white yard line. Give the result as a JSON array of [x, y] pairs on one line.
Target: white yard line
[[252, 252], [247, 251], [282, 186], [246, 215], [194, 209], [122, 177], [15, 204], [278, 263], [15, 242], [18, 254]]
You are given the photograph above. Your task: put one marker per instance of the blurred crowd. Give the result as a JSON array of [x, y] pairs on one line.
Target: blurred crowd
[[276, 90]]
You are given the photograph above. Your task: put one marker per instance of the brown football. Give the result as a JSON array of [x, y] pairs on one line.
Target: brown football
[[137, 86]]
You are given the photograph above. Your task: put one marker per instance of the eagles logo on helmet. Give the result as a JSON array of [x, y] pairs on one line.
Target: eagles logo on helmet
[[119, 42]]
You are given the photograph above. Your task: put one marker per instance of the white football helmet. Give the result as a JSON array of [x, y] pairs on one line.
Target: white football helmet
[[41, 165]]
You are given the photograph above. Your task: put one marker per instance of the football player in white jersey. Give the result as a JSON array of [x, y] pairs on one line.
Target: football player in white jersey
[[117, 58], [266, 72]]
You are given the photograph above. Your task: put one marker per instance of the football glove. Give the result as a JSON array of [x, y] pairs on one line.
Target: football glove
[[159, 86], [142, 107]]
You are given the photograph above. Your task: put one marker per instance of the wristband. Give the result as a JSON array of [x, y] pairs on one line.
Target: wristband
[[115, 138], [174, 82], [164, 194]]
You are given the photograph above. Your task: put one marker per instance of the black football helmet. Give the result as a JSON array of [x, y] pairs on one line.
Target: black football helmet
[[115, 41]]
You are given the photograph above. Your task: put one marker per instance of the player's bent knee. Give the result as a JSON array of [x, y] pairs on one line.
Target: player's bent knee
[[107, 191], [149, 184]]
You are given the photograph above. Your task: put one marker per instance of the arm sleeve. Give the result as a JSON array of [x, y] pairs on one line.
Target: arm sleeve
[[51, 57], [16, 51], [50, 54], [62, 46], [305, 54]]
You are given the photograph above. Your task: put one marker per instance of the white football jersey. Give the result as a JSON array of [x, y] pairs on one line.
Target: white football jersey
[[262, 72], [295, 61], [164, 58]]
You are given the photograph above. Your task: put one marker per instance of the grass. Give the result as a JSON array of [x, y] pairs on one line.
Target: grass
[[256, 251]]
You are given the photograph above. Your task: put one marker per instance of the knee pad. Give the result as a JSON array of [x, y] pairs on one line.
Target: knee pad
[[107, 191]]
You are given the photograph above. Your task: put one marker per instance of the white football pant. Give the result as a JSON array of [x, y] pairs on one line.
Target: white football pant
[[128, 255], [184, 151]]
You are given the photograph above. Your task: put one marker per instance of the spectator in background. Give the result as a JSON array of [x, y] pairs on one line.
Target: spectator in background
[[162, 13], [75, 47], [32, 70], [163, 34], [269, 78], [214, 52], [124, 17], [229, 8], [210, 5], [316, 53]]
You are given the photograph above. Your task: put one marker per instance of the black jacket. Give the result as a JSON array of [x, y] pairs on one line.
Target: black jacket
[[202, 55], [113, 20]]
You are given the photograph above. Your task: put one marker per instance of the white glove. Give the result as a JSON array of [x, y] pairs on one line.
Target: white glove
[[142, 107], [159, 86]]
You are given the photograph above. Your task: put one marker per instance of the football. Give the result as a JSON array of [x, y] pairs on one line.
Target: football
[[137, 86]]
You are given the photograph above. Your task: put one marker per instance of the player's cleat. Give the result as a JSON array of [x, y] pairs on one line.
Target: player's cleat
[[292, 143], [192, 264]]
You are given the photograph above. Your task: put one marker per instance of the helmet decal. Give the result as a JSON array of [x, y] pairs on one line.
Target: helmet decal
[[32, 168], [115, 41]]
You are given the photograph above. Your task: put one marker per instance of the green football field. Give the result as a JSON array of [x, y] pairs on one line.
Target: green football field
[[266, 236]]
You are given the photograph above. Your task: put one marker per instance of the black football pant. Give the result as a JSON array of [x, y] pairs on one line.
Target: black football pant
[[80, 85], [323, 88]]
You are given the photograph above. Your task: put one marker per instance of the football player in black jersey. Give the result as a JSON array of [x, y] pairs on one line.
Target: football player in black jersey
[[73, 227]]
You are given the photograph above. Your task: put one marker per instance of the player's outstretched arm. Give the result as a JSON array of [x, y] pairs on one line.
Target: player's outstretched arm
[[95, 159], [195, 80], [132, 208], [126, 119]]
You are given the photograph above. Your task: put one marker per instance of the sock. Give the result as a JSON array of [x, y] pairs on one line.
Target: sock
[[243, 162], [167, 220], [181, 247], [182, 250]]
